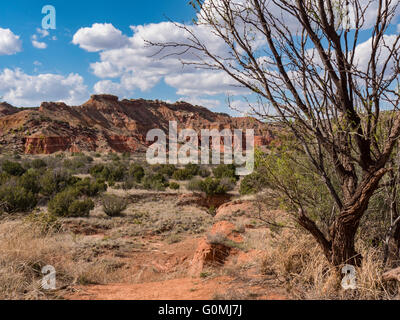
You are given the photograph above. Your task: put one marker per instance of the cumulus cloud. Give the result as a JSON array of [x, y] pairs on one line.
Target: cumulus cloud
[[204, 102], [38, 44], [9, 42], [110, 87], [41, 34], [98, 37], [21, 89], [127, 63]]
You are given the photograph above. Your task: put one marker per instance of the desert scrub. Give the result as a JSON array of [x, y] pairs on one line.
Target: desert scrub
[[156, 182], [190, 171], [80, 208], [91, 188], [14, 198], [174, 186], [165, 169], [56, 180], [38, 164], [136, 172], [113, 206], [210, 186], [30, 181], [65, 204], [225, 171], [12, 168], [253, 183], [114, 172]]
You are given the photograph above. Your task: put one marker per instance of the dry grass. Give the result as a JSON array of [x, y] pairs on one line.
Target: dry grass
[[24, 251], [298, 264]]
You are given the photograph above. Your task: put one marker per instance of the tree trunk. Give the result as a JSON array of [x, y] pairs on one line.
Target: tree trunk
[[343, 251]]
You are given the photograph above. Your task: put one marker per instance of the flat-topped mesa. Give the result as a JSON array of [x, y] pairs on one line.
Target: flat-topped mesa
[[104, 97], [53, 106], [105, 124]]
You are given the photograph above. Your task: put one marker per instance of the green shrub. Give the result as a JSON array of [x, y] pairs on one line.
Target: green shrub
[[30, 181], [136, 172], [192, 169], [213, 187], [174, 186], [14, 198], [113, 206], [59, 205], [113, 156], [38, 164], [73, 164], [4, 177], [13, 168], [210, 186], [129, 183], [97, 170], [155, 182], [165, 169], [91, 188], [225, 171], [112, 173], [253, 183], [182, 175], [55, 181], [80, 208]]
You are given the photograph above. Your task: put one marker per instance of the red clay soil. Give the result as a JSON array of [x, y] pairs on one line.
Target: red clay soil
[[177, 289]]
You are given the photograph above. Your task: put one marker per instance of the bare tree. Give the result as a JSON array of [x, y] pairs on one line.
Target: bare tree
[[316, 72]]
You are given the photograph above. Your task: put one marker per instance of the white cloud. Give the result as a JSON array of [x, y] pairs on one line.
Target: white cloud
[[133, 64], [42, 33], [203, 102], [363, 54], [21, 89], [36, 43], [127, 63], [9, 42], [207, 82], [39, 45], [100, 36], [110, 87]]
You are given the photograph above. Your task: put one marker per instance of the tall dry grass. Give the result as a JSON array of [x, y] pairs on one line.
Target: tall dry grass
[[25, 250], [299, 265]]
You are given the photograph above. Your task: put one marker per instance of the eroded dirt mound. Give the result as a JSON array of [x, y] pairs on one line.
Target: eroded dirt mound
[[215, 248], [237, 207]]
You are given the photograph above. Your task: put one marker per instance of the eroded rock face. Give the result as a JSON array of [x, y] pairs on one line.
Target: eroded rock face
[[7, 109], [216, 247], [106, 124]]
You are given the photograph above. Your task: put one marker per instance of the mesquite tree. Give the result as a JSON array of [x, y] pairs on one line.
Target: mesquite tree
[[329, 71]]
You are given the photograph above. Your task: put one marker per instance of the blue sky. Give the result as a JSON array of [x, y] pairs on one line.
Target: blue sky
[[23, 17], [62, 57], [98, 47]]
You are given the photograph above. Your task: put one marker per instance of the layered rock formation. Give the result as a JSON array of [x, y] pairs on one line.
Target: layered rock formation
[[105, 124]]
